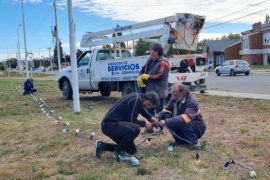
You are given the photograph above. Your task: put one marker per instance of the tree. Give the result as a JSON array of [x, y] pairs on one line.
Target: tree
[[231, 36], [79, 53], [11, 63], [55, 54], [2, 66], [267, 19], [201, 45], [141, 47]]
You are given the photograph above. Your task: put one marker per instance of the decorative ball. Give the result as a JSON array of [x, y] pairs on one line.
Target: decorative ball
[[170, 147], [92, 135], [252, 174]]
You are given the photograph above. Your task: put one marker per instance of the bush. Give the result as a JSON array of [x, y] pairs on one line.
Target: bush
[[1, 66]]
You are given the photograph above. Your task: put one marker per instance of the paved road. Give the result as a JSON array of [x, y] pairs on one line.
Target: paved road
[[256, 85]]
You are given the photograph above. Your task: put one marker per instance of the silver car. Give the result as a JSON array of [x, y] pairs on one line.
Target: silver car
[[233, 67]]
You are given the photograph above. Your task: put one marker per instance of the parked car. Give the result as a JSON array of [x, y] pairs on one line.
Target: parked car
[[208, 66], [233, 67]]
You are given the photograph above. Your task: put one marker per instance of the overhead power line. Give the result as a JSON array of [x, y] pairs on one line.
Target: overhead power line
[[237, 11], [235, 19]]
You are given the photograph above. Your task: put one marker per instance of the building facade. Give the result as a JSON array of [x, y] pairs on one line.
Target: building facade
[[255, 44]]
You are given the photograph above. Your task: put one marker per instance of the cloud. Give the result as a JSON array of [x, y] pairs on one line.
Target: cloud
[[26, 1], [211, 36], [214, 10]]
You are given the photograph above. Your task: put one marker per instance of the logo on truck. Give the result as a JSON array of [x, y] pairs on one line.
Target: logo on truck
[[181, 78], [123, 67]]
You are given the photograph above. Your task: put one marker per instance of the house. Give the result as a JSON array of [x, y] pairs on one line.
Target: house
[[255, 44], [218, 51]]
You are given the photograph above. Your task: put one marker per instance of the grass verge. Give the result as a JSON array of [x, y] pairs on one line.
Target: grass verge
[[33, 146]]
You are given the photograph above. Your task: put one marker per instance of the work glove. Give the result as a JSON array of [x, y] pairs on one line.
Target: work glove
[[140, 82], [144, 76]]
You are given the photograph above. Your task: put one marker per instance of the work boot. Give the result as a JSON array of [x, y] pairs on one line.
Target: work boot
[[98, 148]]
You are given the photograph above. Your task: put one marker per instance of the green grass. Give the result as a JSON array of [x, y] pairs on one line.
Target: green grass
[[258, 67], [33, 146]]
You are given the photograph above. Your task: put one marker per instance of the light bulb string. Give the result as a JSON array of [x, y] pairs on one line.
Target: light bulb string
[[49, 113], [150, 138], [42, 104], [231, 161]]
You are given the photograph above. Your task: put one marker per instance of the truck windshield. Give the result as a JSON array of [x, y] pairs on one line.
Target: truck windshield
[[125, 53], [84, 59], [105, 54]]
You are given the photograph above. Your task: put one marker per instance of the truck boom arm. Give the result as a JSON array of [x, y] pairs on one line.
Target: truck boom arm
[[183, 36]]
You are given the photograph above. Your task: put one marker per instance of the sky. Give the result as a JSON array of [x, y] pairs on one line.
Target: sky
[[222, 17]]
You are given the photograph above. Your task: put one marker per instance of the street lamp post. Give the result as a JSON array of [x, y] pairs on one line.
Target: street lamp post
[[49, 48], [57, 38], [25, 48], [31, 63], [19, 53]]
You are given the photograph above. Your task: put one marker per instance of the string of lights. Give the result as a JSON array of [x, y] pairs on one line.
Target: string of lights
[[66, 128]]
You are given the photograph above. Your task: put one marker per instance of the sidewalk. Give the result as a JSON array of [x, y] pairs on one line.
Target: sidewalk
[[239, 95], [260, 71]]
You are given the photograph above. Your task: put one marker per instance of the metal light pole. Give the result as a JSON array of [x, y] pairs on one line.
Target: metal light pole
[[57, 38], [50, 59], [31, 63], [19, 53], [73, 49], [25, 48]]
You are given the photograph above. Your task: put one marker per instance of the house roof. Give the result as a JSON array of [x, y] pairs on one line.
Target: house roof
[[220, 45], [263, 27]]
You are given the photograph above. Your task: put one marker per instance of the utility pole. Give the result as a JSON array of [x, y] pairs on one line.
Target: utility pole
[[19, 53], [25, 48], [39, 57], [50, 59], [73, 59], [57, 38]]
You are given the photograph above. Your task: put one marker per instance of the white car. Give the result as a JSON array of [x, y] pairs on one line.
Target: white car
[[233, 67]]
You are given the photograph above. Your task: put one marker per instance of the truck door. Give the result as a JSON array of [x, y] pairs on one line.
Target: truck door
[[83, 71]]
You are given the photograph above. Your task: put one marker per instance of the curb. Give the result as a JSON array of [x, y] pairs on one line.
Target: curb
[[239, 95]]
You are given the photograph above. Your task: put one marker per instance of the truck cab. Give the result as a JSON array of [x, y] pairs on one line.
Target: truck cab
[[101, 69]]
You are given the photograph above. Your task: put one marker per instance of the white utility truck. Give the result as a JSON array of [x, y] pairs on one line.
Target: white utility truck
[[116, 69]]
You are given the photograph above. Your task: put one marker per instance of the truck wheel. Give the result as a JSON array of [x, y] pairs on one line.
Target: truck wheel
[[128, 88], [105, 92], [66, 90]]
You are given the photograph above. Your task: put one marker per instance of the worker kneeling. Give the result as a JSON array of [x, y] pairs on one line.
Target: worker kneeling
[[29, 87], [122, 126], [182, 117]]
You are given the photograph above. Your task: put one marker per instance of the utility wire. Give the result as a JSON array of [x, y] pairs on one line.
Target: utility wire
[[49, 12], [237, 11], [236, 19]]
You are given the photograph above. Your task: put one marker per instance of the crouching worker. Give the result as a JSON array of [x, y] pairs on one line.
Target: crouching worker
[[29, 87], [182, 117], [122, 126]]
